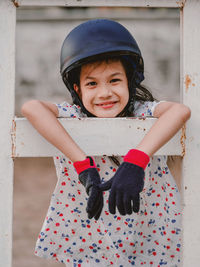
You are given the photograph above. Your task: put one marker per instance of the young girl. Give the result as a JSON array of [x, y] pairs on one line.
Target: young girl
[[139, 224]]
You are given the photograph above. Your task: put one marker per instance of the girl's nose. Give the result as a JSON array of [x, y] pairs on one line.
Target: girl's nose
[[104, 91]]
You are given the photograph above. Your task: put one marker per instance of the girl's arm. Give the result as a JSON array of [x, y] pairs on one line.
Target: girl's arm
[[42, 115], [128, 181], [171, 117]]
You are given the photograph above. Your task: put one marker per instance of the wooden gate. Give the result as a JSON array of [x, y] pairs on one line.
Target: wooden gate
[[15, 133]]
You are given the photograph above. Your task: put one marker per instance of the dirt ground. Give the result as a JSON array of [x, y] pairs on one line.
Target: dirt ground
[[34, 182]]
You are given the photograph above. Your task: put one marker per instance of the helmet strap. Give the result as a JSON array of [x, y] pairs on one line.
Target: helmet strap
[[75, 97], [129, 108]]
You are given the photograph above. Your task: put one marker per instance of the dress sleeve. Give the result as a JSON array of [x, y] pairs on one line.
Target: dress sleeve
[[145, 109], [66, 110]]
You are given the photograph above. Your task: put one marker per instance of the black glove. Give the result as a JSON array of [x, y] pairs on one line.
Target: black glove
[[89, 177], [127, 183]]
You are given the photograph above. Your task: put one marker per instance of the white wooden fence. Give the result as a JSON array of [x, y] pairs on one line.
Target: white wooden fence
[[19, 139]]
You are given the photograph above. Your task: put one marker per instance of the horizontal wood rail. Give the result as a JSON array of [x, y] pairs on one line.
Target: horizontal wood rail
[[108, 3], [95, 136]]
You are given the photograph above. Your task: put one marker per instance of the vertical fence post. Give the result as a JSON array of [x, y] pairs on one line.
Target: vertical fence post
[[191, 97], [7, 81]]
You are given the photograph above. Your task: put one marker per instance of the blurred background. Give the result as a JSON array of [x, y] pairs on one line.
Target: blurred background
[[40, 33]]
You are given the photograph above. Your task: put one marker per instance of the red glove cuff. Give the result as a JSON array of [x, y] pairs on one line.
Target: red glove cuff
[[137, 157], [81, 166]]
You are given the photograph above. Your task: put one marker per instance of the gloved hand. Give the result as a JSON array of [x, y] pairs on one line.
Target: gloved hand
[[127, 183], [89, 177]]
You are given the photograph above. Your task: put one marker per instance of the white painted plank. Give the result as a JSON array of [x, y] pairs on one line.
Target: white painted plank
[[7, 79], [119, 3], [98, 137], [191, 97]]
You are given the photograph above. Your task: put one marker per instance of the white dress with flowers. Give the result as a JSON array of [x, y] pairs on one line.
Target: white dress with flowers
[[148, 238]]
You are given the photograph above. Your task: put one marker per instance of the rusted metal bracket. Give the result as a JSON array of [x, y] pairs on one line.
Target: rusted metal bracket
[[182, 140], [13, 138], [181, 3], [16, 4]]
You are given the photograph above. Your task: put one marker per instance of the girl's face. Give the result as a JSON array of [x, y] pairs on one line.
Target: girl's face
[[103, 88]]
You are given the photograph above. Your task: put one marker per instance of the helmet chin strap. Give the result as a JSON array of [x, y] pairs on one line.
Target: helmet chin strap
[[78, 102], [129, 108], [76, 99]]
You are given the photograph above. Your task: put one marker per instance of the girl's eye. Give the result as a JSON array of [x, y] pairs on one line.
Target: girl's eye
[[115, 80], [91, 84]]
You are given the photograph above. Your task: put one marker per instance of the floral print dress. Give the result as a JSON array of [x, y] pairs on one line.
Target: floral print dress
[[149, 238]]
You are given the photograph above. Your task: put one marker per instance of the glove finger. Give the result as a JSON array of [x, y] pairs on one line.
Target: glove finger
[[136, 203], [112, 202], [127, 205], [97, 215], [120, 203], [97, 208], [106, 186], [93, 200], [92, 212]]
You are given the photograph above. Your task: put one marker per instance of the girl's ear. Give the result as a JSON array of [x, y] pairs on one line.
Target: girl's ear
[[77, 89]]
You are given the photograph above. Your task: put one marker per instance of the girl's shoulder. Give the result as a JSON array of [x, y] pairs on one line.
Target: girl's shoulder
[[145, 108], [67, 110]]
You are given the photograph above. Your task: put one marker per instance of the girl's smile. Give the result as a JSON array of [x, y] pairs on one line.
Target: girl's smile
[[103, 88], [108, 104]]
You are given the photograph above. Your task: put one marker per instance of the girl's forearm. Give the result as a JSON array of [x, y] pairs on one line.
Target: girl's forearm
[[167, 125], [46, 123]]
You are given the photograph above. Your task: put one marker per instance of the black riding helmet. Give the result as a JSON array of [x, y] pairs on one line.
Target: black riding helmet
[[101, 39]]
